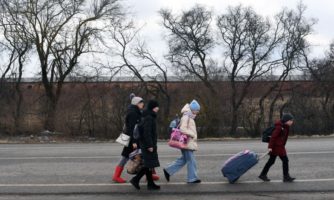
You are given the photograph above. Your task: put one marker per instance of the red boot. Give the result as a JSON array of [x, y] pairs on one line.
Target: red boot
[[154, 175], [117, 175]]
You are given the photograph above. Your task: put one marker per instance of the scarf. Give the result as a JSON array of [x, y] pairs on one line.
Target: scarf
[[190, 115]]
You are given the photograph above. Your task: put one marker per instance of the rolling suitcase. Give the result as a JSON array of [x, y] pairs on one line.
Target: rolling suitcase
[[239, 164]]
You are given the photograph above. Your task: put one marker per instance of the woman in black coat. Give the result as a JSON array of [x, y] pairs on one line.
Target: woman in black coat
[[132, 118], [148, 144]]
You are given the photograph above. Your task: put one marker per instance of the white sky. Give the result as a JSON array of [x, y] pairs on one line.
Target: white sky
[[146, 12]]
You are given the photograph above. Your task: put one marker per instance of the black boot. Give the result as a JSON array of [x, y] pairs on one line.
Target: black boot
[[263, 175], [197, 181], [288, 179], [135, 180], [150, 183], [286, 176], [135, 183], [264, 178], [167, 176]]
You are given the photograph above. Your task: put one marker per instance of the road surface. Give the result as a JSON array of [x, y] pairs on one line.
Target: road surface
[[83, 171]]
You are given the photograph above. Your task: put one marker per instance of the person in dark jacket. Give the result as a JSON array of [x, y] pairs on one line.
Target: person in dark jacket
[[148, 144], [132, 118], [276, 147]]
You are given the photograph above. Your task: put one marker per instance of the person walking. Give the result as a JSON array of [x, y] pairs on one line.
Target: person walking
[[132, 118], [187, 127], [276, 147], [148, 144]]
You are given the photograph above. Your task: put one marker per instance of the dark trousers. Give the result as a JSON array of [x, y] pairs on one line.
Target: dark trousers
[[271, 161], [145, 171]]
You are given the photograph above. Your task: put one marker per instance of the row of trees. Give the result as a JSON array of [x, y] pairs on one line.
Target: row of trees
[[59, 32], [238, 47]]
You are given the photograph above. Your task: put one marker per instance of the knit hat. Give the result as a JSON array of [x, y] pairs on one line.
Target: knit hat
[[194, 106], [287, 117], [152, 104], [136, 100], [132, 95]]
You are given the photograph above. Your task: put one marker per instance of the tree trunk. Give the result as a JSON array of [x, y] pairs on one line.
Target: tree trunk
[[260, 119], [52, 102], [234, 122], [17, 116], [271, 112], [49, 123]]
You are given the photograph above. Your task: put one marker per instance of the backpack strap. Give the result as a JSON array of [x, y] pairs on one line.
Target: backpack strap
[[124, 128], [178, 126]]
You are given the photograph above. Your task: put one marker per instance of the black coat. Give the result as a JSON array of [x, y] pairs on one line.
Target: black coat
[[133, 117], [148, 139]]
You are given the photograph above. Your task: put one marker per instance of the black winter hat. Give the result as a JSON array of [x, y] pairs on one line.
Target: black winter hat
[[287, 117], [151, 104]]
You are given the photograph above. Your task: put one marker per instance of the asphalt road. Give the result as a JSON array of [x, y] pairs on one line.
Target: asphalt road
[[83, 171]]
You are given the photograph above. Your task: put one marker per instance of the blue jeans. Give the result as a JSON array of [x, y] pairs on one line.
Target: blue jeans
[[186, 158]]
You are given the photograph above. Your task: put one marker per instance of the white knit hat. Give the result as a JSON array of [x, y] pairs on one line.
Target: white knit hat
[[136, 100]]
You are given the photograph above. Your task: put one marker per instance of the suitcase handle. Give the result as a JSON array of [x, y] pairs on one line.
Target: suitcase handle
[[263, 156]]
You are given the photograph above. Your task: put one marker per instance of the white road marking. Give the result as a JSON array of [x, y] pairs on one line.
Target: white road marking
[[175, 183], [57, 157], [160, 156], [50, 147]]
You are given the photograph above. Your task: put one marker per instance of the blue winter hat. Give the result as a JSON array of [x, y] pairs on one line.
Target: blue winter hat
[[194, 106]]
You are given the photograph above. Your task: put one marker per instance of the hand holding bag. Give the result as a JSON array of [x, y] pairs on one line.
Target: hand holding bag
[[135, 163]]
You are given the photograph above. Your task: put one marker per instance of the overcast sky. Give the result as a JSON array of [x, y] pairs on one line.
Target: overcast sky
[[145, 12]]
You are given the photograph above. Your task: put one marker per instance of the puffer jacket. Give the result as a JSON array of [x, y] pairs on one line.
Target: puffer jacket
[[279, 139], [188, 127]]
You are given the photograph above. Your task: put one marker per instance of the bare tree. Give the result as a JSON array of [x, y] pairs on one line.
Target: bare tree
[[6, 69], [7, 94], [147, 69], [62, 31], [159, 81], [124, 34], [295, 28], [322, 72], [190, 42], [251, 44], [16, 42], [130, 50], [331, 52]]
